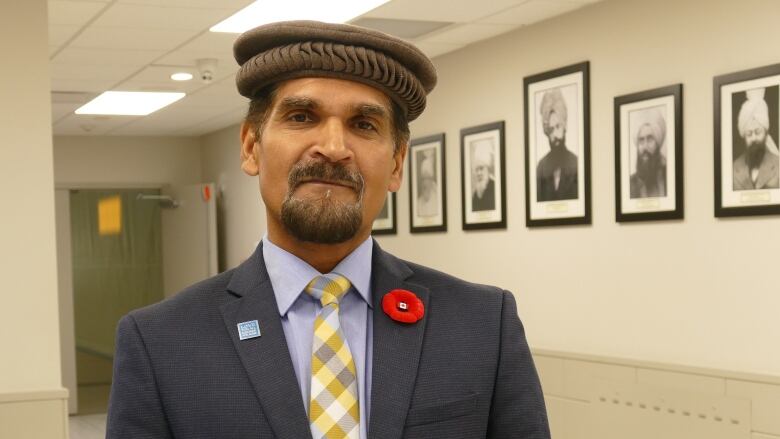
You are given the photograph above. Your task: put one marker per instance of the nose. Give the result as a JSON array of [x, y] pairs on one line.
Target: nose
[[332, 144]]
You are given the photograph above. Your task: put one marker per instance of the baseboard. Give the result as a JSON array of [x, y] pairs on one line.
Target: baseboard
[[40, 414]]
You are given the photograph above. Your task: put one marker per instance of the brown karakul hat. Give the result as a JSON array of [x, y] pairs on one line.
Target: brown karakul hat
[[295, 49]]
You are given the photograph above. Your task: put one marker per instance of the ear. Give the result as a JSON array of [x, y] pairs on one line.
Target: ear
[[249, 141], [398, 170]]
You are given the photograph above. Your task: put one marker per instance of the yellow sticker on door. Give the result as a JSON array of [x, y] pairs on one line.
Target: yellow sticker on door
[[110, 216]]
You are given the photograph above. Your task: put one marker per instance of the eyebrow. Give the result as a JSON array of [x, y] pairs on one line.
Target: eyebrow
[[293, 102], [378, 111]]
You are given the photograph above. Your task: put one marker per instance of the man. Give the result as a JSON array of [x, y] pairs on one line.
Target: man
[[310, 336], [483, 195], [428, 192], [757, 166], [649, 178], [556, 172]]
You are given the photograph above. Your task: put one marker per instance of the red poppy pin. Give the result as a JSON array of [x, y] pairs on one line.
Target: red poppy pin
[[403, 306]]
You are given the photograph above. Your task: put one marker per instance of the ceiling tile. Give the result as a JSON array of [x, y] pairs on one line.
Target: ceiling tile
[[131, 38], [85, 85], [440, 10], [110, 72], [158, 78], [161, 17], [226, 119], [435, 49], [72, 12], [532, 12], [60, 110], [60, 33], [78, 124], [211, 43], [407, 29], [203, 4], [105, 57], [469, 33]]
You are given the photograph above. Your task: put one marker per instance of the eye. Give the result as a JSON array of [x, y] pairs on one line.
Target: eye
[[299, 117], [365, 125]]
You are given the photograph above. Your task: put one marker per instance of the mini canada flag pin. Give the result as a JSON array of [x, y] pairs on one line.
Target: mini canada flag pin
[[248, 330]]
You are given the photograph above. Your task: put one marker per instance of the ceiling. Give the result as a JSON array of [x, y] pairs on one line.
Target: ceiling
[[135, 45]]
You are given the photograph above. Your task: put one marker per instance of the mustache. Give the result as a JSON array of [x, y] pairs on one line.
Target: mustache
[[329, 172]]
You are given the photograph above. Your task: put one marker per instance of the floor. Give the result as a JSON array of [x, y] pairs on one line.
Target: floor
[[88, 426]]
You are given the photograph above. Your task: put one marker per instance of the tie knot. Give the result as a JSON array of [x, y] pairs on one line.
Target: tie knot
[[328, 288]]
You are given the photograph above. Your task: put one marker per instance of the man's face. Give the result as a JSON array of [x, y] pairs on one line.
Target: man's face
[[646, 144], [754, 134], [556, 131], [481, 176], [325, 158]]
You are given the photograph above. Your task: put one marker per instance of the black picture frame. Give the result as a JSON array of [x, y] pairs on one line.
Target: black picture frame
[[428, 207], [483, 147], [549, 197], [652, 114], [734, 195], [386, 224]]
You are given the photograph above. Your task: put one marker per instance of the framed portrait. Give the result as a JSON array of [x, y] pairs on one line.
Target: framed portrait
[[427, 185], [649, 155], [482, 171], [384, 223], [557, 147], [746, 132]]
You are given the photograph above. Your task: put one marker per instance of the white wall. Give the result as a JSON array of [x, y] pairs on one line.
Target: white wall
[[695, 292], [32, 401], [240, 210], [100, 160]]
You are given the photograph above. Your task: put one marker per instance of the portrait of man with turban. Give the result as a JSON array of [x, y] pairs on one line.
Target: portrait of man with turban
[[649, 134], [556, 172], [427, 189], [483, 192], [757, 166]]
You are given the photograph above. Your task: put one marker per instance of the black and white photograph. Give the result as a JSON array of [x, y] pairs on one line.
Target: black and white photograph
[[649, 155], [427, 187], [482, 176], [747, 161], [557, 146], [385, 222]]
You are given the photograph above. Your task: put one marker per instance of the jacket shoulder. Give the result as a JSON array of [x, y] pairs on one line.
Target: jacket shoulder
[[204, 295], [439, 282]]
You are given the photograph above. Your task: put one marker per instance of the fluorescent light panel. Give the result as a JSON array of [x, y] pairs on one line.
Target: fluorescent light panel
[[129, 103], [270, 11]]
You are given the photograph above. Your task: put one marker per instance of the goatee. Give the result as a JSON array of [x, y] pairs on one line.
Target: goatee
[[322, 219]]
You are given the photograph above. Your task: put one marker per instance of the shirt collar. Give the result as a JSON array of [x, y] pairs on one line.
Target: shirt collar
[[290, 274]]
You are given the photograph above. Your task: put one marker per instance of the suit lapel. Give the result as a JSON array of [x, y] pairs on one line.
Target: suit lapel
[[265, 358], [396, 350], [742, 174]]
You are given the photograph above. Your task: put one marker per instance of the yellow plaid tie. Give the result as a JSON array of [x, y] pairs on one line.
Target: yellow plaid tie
[[334, 412]]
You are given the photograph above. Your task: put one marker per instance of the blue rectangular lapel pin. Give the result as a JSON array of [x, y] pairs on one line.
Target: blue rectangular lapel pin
[[249, 329]]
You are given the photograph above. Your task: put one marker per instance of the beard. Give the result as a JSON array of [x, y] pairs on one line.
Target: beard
[[648, 165], [755, 154], [557, 145], [322, 219], [480, 185]]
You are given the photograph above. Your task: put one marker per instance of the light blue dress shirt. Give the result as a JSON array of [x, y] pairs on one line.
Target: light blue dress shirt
[[289, 276]]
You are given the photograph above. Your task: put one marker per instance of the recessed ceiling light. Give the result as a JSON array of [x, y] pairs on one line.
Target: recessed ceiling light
[[270, 11], [129, 103], [181, 76]]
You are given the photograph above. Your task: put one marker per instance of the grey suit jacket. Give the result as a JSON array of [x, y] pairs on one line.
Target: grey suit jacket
[[463, 371]]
